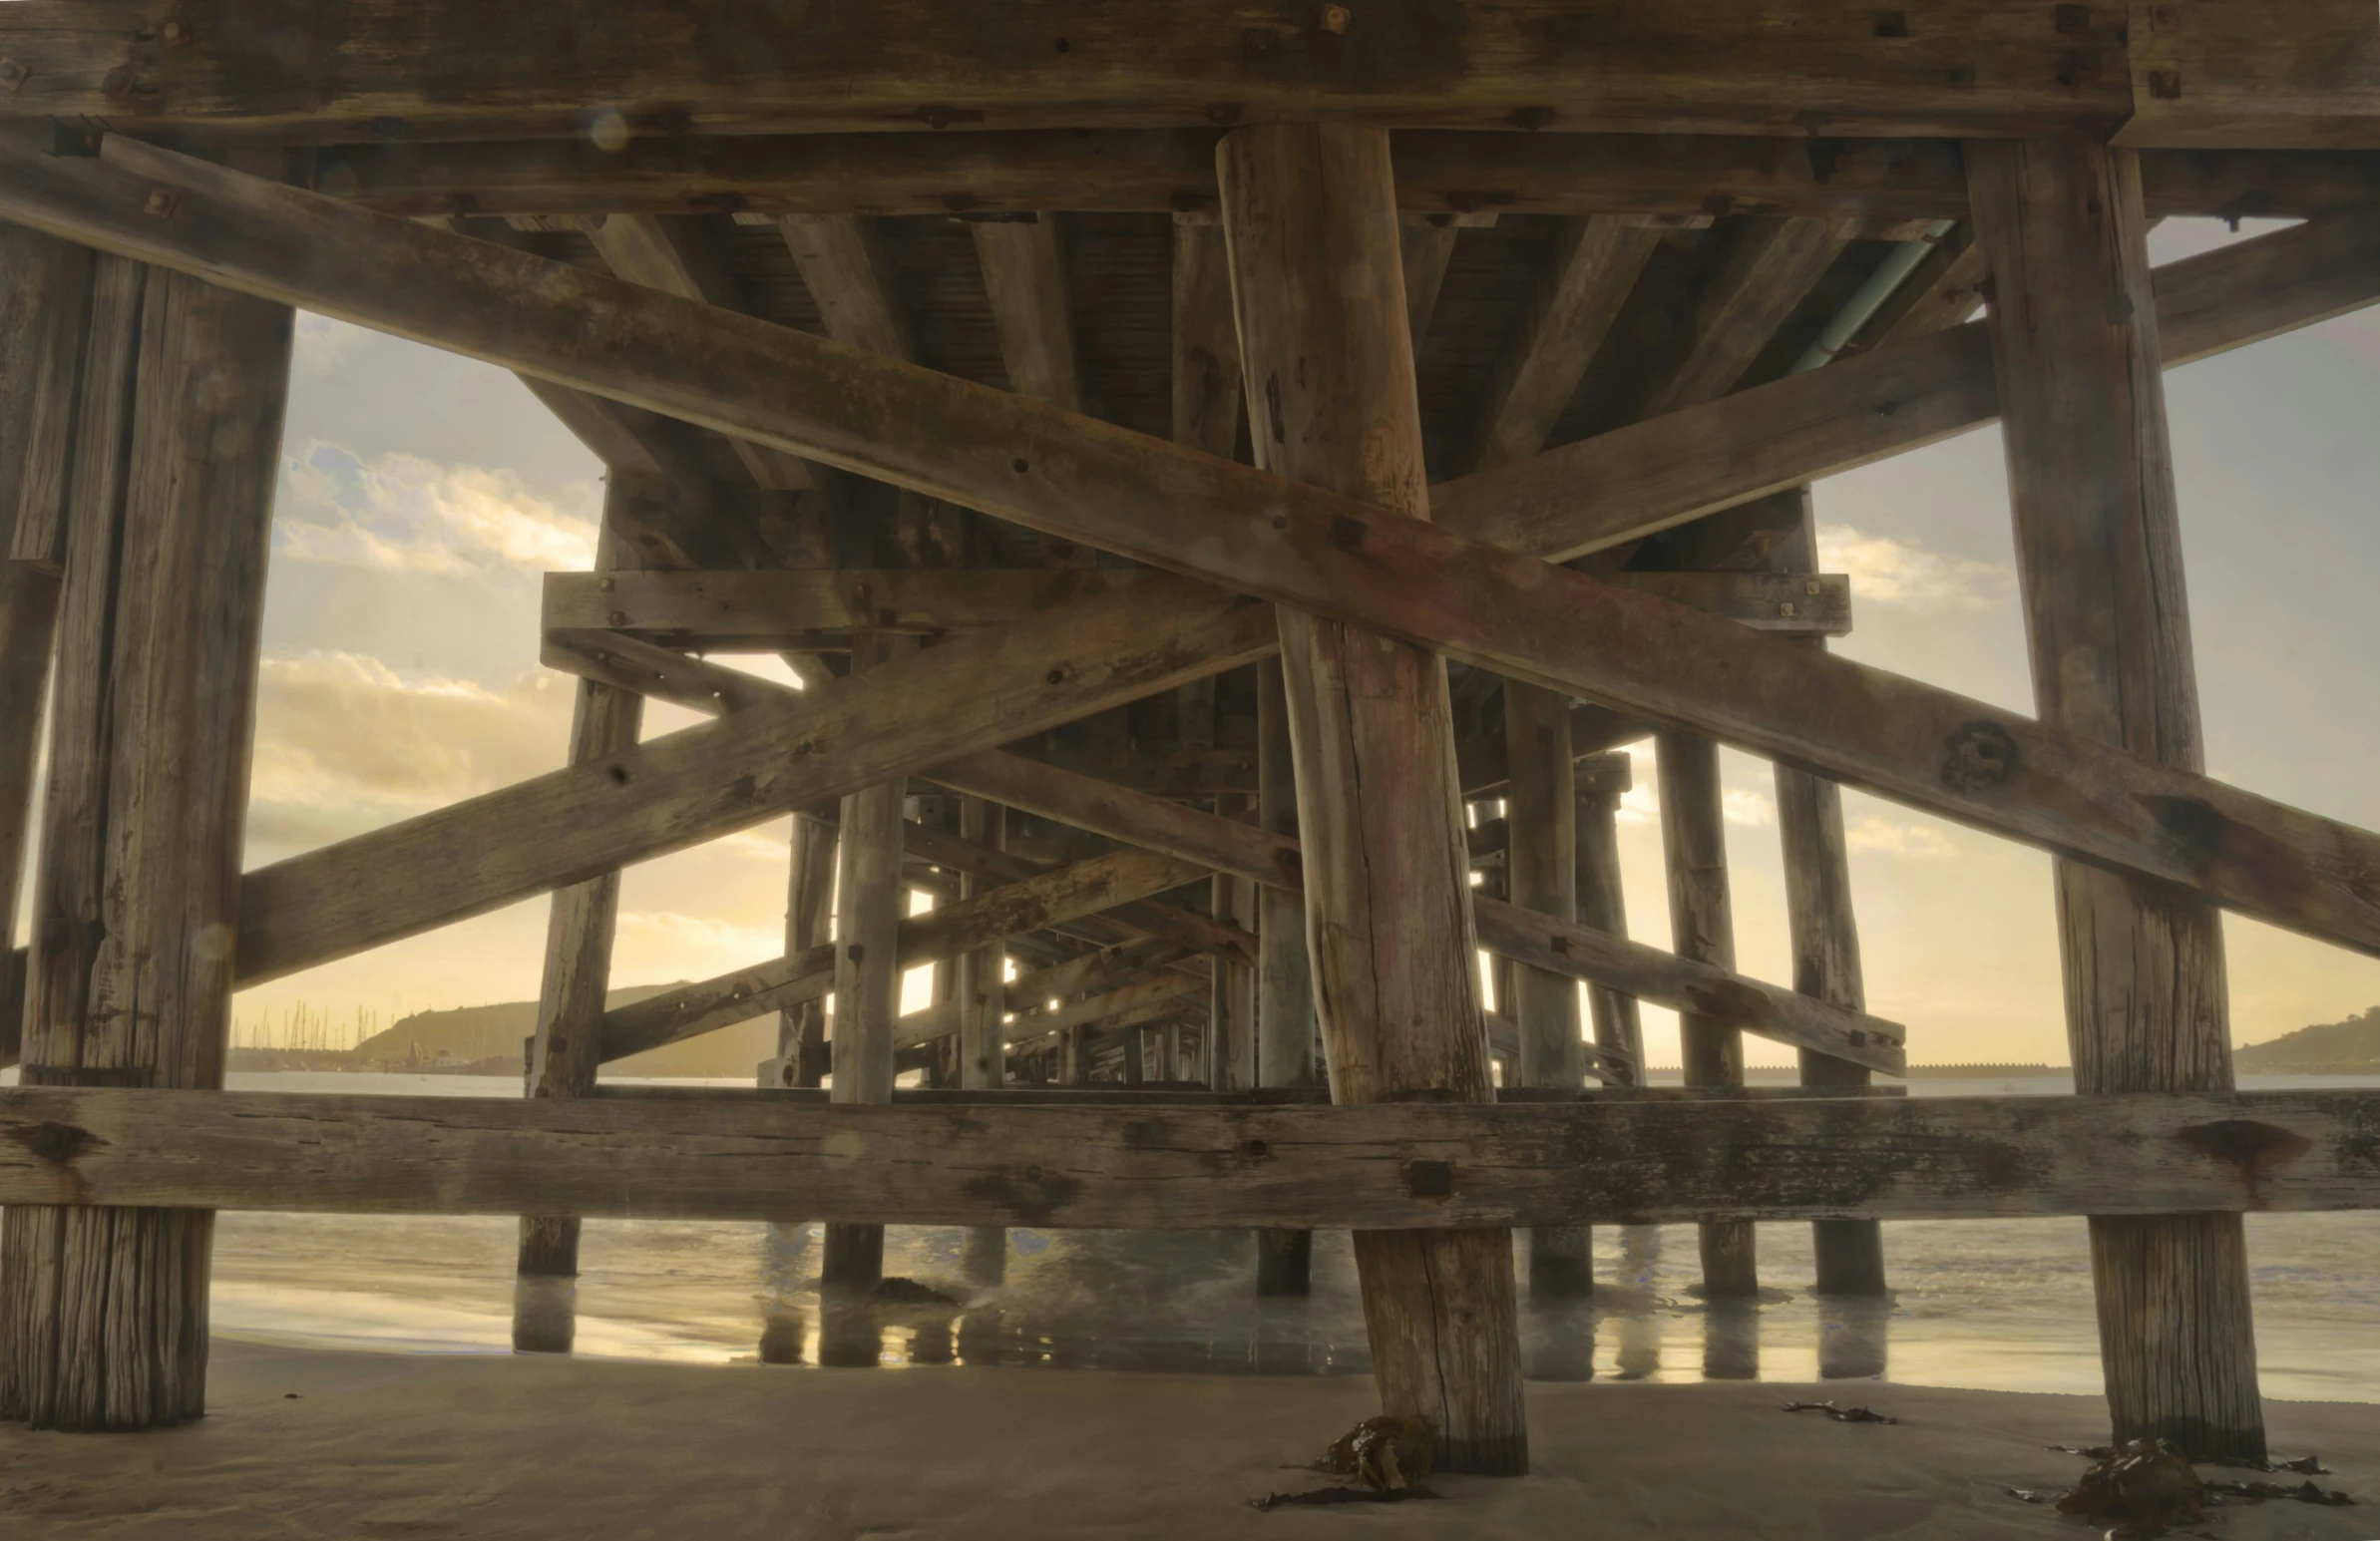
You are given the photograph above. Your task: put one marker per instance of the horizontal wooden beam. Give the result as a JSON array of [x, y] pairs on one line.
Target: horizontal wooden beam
[[348, 70], [1386, 1166], [1792, 604], [1126, 171], [769, 610], [1647, 477], [1156, 503]]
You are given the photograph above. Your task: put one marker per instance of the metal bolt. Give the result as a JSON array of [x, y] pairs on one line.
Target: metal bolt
[[603, 584], [1810, 588], [619, 618], [161, 203], [175, 33], [1786, 609], [1335, 18]]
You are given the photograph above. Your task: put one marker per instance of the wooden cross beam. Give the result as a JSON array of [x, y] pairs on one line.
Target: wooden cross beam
[[2197, 71], [1145, 1164], [1154, 502], [1649, 476], [767, 611], [834, 176]]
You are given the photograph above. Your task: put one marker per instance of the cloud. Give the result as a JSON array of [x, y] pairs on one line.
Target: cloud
[[1753, 810], [1906, 575], [403, 514], [321, 344], [668, 940], [346, 744], [1874, 835]]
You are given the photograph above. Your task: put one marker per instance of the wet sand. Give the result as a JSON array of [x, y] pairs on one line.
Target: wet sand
[[306, 1443]]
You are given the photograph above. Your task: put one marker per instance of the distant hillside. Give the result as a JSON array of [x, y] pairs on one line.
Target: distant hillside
[[2351, 1048], [495, 1032]]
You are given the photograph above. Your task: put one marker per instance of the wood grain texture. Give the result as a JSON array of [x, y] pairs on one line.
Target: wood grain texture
[[1206, 343], [1300, 544], [1025, 278], [870, 902], [303, 70], [1327, 349], [140, 890], [1285, 972], [1130, 1163], [1603, 907], [983, 986], [2231, 72], [2106, 620], [844, 267], [1772, 264]]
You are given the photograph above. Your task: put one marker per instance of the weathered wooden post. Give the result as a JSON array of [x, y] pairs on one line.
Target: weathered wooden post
[[870, 902], [1311, 215], [1703, 928], [45, 316], [1849, 1254], [1231, 1032], [1284, 978], [1541, 874], [983, 1040], [2083, 416], [1601, 783], [809, 923], [167, 519], [566, 1050]]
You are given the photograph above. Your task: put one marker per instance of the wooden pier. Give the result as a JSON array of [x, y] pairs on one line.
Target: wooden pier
[[1195, 460]]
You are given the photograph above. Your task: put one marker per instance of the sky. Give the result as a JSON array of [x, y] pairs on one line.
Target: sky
[[423, 494]]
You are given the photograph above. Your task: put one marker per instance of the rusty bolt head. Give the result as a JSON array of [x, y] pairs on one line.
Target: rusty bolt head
[[1336, 19], [619, 618], [161, 203], [177, 33], [603, 584], [1810, 588]]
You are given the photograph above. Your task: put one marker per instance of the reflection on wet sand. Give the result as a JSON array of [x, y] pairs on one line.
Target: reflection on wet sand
[[1186, 1304]]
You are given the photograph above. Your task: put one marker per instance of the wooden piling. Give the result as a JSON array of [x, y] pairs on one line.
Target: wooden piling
[[1619, 1033], [2076, 354], [809, 923], [1541, 875], [1310, 213], [175, 451], [1284, 978], [982, 1002], [870, 902], [1703, 928]]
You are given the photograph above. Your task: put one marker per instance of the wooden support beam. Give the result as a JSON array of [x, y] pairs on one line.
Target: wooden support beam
[[1085, 888], [1261, 533], [2091, 474], [1024, 275], [1127, 1161], [1284, 970], [1206, 348], [1637, 480], [771, 611], [1774, 263], [680, 255], [1945, 289], [169, 518], [1603, 907], [844, 268], [1318, 284], [1425, 249], [2224, 72], [308, 71], [564, 1049], [1596, 264], [45, 318], [1449, 174]]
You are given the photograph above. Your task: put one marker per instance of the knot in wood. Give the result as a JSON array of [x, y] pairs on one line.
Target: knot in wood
[[1978, 756]]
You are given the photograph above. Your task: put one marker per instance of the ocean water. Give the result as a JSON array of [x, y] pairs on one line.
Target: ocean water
[[1999, 1305]]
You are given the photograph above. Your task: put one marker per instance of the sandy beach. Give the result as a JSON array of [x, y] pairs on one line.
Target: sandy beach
[[303, 1444]]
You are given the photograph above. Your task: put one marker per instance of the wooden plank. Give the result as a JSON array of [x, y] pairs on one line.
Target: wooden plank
[[1326, 343], [982, 983], [1602, 905], [1284, 970], [1790, 603], [844, 267], [1634, 481], [1498, 609], [303, 70], [1944, 290], [1131, 1164], [2098, 531], [2235, 73], [702, 782], [1025, 276], [1774, 263], [769, 610], [1206, 348], [1596, 264], [1063, 893], [837, 176]]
